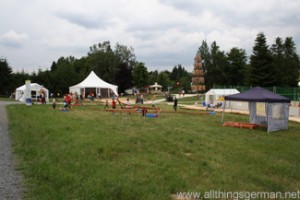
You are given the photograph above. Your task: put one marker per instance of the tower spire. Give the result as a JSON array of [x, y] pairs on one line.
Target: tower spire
[[198, 83]]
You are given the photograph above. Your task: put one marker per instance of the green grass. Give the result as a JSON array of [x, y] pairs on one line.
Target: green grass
[[191, 100], [88, 153]]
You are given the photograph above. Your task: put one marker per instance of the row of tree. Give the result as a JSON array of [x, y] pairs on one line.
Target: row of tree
[[117, 66], [277, 65]]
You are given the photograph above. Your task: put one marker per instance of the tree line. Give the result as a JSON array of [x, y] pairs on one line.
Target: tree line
[[116, 65], [277, 65]]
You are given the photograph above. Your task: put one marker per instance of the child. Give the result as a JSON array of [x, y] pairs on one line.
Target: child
[[66, 105], [113, 103]]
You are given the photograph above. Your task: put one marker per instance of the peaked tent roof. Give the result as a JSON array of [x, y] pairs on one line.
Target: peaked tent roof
[[222, 91], [258, 94], [93, 81]]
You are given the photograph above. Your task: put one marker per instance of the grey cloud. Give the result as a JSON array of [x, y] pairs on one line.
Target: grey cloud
[[13, 39], [192, 6], [163, 33], [12, 44], [88, 22]]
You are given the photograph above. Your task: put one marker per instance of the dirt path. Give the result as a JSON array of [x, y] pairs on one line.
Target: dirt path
[[10, 187]]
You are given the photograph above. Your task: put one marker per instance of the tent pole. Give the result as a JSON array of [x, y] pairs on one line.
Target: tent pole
[[267, 115], [222, 119]]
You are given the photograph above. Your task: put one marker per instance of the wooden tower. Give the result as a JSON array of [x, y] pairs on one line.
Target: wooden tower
[[198, 84]]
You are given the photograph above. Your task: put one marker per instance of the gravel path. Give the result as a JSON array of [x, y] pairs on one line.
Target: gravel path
[[10, 179]]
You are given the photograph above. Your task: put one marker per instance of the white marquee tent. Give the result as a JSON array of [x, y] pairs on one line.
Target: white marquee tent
[[35, 92], [92, 83], [213, 95]]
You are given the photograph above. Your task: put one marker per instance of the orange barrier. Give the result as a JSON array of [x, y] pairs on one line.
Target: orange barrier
[[240, 125], [135, 109]]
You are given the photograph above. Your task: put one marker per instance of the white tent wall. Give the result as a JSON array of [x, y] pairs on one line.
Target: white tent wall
[[272, 115], [212, 96], [277, 116], [258, 113], [74, 90], [34, 87], [237, 105]]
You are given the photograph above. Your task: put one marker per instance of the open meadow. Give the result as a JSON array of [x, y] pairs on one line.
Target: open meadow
[[88, 153]]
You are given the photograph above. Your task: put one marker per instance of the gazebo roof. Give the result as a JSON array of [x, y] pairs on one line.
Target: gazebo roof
[[155, 86], [258, 94]]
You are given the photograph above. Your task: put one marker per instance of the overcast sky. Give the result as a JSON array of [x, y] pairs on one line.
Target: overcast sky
[[163, 33]]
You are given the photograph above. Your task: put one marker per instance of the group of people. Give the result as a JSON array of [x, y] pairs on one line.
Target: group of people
[[128, 104], [68, 99]]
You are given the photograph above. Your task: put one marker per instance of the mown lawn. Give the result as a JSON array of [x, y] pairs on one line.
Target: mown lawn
[[88, 153]]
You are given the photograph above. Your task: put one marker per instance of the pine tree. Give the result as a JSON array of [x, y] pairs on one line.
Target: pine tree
[[291, 62], [277, 51], [216, 68], [262, 72], [236, 66]]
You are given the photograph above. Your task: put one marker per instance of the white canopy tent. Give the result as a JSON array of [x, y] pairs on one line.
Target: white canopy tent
[[92, 83], [213, 96], [35, 92]]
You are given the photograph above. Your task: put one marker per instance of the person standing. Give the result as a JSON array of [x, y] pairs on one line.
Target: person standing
[[43, 97], [175, 104]]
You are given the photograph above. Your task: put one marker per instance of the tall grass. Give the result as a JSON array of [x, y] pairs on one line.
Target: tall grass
[[88, 153]]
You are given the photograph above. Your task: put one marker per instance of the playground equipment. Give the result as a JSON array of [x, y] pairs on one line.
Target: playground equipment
[[150, 112], [240, 125], [151, 115]]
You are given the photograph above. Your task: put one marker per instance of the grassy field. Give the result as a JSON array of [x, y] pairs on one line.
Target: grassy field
[[88, 153]]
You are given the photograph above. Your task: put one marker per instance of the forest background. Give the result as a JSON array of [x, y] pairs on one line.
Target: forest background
[[268, 66]]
